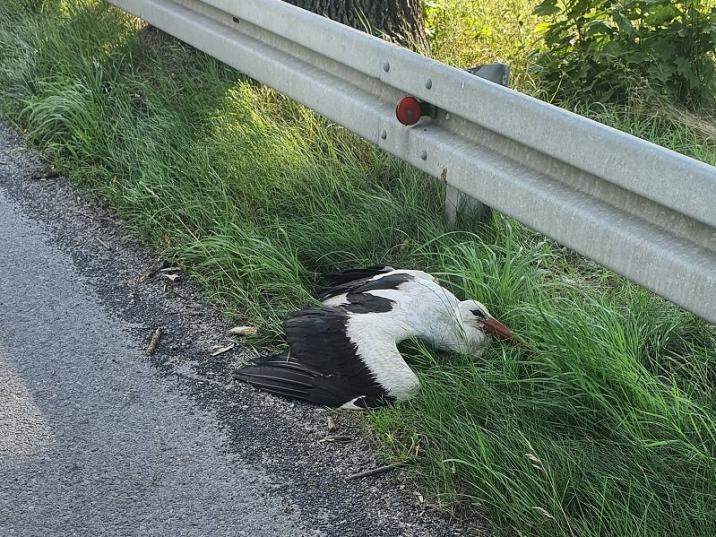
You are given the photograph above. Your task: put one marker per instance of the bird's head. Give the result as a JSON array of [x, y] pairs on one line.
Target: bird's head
[[477, 324]]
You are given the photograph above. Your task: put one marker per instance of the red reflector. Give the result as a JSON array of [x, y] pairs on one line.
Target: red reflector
[[408, 111]]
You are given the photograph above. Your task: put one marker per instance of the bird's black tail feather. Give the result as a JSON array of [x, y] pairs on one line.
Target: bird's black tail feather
[[281, 376]]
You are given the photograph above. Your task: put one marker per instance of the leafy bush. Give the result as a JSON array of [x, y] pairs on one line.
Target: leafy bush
[[601, 50]]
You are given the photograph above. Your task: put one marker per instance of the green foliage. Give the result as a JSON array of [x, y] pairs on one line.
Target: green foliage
[[601, 50], [465, 33]]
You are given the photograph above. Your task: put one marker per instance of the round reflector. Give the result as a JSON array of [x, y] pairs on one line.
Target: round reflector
[[408, 111]]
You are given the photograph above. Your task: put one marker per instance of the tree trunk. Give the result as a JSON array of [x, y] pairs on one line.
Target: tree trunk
[[400, 21]]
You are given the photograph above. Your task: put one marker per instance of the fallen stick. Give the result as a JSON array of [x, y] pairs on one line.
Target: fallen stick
[[103, 243], [340, 438], [222, 350], [375, 471], [153, 342]]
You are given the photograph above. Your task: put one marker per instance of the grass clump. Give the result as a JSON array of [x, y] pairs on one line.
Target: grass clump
[[464, 33], [602, 424]]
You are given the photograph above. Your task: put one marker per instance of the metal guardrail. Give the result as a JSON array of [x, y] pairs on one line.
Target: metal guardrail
[[643, 211]]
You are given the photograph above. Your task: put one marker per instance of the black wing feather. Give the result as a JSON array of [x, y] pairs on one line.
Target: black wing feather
[[365, 285], [323, 365], [293, 380], [350, 275]]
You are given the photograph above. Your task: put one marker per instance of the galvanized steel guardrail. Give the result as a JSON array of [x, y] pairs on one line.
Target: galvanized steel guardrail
[[639, 209]]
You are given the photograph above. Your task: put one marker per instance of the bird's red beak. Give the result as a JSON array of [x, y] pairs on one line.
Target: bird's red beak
[[495, 327]]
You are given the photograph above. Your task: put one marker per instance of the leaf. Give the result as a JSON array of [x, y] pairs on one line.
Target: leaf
[[662, 72], [658, 15], [623, 23], [546, 8], [683, 67], [598, 27], [542, 27], [663, 49]]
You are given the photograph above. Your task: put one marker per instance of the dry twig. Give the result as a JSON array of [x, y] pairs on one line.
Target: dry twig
[[106, 246], [153, 342], [222, 350], [375, 471]]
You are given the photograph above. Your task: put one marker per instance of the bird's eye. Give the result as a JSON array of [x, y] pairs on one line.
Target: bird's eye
[[478, 313]]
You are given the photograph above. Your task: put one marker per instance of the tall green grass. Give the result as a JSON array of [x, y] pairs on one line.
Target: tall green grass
[[602, 423], [465, 33]]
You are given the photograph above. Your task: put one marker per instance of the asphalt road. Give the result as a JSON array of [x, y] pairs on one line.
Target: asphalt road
[[98, 439], [92, 442]]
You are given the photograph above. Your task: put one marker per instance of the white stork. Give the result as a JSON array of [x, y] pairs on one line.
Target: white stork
[[345, 354]]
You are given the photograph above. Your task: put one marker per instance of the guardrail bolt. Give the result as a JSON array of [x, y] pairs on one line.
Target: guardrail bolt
[[428, 84], [386, 66], [383, 134], [424, 155]]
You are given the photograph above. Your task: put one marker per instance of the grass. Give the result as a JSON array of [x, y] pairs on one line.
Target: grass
[[465, 33], [604, 425]]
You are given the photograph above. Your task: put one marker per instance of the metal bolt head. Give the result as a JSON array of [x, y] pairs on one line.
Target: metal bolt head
[[424, 155], [386, 66], [383, 134], [428, 84]]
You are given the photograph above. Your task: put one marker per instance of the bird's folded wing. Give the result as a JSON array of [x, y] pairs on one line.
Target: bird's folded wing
[[282, 376], [323, 365]]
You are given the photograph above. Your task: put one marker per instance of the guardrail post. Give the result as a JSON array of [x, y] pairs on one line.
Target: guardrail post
[[457, 203]]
